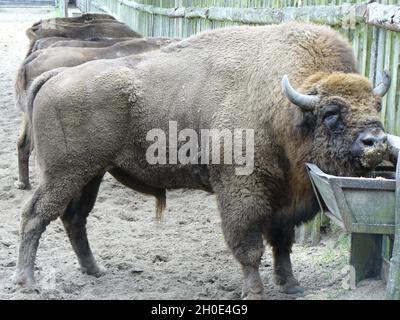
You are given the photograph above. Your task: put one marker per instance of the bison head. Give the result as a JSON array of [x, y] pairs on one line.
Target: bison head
[[340, 111]]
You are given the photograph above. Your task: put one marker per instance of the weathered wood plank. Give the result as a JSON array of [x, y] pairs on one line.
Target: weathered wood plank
[[385, 16], [381, 15]]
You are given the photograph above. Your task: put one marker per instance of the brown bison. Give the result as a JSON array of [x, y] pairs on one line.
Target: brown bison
[[85, 27], [52, 58], [82, 31], [52, 42], [95, 118], [83, 18]]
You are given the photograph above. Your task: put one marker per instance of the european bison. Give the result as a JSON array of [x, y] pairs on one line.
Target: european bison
[[52, 42], [52, 58], [83, 18], [94, 118], [82, 31], [85, 27]]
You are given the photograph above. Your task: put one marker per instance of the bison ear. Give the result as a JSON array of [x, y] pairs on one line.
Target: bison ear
[[304, 101]]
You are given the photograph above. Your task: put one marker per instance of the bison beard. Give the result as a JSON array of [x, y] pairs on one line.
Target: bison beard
[[228, 78]]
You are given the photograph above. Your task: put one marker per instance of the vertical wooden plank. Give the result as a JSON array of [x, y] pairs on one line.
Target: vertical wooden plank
[[380, 64], [391, 95], [386, 108], [364, 50], [316, 230]]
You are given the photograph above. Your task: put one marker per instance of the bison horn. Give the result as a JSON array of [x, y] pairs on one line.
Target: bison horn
[[383, 87], [304, 101]]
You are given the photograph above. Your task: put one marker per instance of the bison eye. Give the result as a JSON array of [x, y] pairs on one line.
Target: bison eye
[[331, 118]]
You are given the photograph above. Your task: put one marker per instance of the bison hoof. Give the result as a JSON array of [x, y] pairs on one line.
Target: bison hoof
[[288, 284], [24, 285], [253, 296], [291, 289], [27, 289], [22, 185], [254, 293], [96, 271]]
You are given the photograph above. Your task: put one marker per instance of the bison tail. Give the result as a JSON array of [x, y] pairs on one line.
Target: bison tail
[[161, 202], [30, 33], [20, 84], [36, 85], [32, 48], [20, 89]]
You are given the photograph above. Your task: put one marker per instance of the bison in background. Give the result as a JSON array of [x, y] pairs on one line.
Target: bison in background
[[52, 42], [99, 114], [82, 31], [47, 59], [88, 26], [100, 30]]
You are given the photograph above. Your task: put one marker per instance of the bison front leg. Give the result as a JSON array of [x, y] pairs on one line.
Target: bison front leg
[[244, 238], [74, 220], [24, 145], [281, 240]]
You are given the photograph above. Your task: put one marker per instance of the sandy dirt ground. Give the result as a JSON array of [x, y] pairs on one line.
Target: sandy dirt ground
[[184, 257]]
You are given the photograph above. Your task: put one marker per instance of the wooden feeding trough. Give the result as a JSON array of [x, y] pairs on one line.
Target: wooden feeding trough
[[369, 209]]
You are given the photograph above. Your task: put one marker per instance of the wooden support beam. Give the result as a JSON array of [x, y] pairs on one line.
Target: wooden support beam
[[65, 13], [384, 16], [380, 15]]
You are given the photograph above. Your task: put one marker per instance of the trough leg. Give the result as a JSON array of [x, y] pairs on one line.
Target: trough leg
[[281, 240], [366, 255], [393, 279], [74, 220], [393, 282], [24, 150]]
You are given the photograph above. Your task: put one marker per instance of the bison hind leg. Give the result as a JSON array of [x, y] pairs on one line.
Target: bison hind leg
[[46, 204], [74, 220]]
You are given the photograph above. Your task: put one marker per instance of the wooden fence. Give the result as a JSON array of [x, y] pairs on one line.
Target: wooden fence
[[61, 8], [373, 29]]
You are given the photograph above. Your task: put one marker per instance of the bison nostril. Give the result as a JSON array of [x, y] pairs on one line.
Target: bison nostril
[[369, 142], [372, 138]]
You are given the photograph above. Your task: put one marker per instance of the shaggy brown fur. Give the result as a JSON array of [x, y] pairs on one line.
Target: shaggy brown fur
[[228, 78]]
